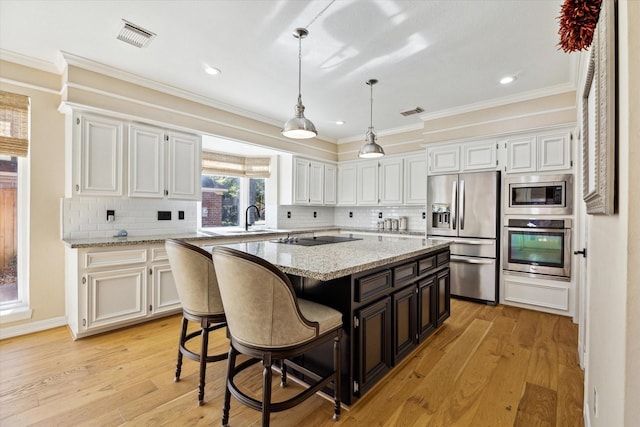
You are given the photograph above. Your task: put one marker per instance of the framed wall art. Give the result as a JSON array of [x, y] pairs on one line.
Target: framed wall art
[[599, 118]]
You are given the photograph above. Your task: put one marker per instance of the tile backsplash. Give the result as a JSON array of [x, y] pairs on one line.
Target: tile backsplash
[[86, 217]]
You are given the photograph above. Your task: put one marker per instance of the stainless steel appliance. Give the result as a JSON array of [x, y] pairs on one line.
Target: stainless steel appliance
[[465, 208], [538, 195], [538, 246]]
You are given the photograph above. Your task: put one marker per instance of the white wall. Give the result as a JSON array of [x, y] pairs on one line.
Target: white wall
[[613, 317]]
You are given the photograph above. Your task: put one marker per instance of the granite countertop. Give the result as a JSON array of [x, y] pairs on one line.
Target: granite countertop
[[223, 238], [327, 262]]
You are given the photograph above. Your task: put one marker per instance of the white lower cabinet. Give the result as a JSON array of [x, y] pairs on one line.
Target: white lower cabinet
[[108, 288], [549, 295]]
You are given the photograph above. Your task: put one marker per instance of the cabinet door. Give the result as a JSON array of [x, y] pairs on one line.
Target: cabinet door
[[347, 178], [146, 161], [316, 183], [444, 296], [415, 180], [480, 156], [521, 155], [301, 181], [373, 346], [444, 159], [404, 322], [100, 156], [391, 175], [427, 297], [368, 183], [330, 180], [185, 165], [165, 295], [116, 296], [554, 152]]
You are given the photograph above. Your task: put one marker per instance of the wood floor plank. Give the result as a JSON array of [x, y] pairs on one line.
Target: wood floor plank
[[537, 407], [472, 372]]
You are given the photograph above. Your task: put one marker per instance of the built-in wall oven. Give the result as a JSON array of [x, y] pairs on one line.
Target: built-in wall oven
[[538, 246], [538, 195]]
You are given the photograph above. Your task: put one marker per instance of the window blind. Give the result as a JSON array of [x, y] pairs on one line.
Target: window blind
[[228, 164], [14, 124]]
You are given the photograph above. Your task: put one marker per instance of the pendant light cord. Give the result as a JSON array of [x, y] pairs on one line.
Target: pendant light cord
[[320, 14], [299, 68], [371, 117]]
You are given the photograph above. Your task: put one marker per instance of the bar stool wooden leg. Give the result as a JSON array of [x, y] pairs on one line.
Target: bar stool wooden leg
[[183, 334], [266, 390]]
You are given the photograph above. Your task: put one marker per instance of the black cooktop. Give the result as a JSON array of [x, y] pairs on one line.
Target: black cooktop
[[314, 241]]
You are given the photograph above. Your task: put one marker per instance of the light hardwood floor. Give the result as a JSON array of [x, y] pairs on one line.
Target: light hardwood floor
[[486, 366]]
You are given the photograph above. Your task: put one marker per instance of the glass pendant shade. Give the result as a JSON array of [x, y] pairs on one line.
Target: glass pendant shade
[[371, 149], [299, 127]]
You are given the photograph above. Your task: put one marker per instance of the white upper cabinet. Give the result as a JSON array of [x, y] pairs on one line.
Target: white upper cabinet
[[379, 183], [479, 156], [330, 182], [415, 179], [304, 182], [521, 154], [444, 159], [554, 152], [539, 152], [163, 163], [469, 156], [347, 177], [146, 161], [391, 179], [367, 183], [184, 164], [97, 156]]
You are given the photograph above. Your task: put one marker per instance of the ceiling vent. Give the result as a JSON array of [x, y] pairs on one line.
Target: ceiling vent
[[134, 35], [416, 110]]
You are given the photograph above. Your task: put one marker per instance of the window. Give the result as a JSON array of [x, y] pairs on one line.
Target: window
[[14, 206], [230, 186], [225, 200]]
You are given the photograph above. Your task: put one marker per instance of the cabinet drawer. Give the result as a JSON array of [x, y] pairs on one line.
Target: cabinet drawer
[[443, 258], [404, 273], [370, 286], [114, 258], [426, 264], [159, 254]]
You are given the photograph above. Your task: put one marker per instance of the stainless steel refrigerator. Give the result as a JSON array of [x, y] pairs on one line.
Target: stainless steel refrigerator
[[465, 208]]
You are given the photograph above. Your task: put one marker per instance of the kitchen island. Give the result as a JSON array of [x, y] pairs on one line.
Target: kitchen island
[[393, 293]]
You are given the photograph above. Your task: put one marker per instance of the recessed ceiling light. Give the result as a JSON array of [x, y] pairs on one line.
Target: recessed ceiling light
[[507, 80], [340, 122], [212, 70]]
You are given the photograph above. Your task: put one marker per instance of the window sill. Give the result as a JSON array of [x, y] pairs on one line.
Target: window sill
[[14, 314]]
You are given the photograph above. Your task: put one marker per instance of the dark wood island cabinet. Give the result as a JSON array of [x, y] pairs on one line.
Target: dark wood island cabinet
[[393, 293], [387, 312]]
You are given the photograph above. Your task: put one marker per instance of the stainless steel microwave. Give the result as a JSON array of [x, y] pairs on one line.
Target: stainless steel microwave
[[538, 195]]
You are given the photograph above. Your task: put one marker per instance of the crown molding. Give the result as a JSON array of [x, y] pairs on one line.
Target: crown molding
[[87, 64], [31, 62], [498, 102], [386, 132]]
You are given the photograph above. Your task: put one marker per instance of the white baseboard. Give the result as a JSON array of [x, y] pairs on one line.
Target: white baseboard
[[585, 414], [30, 327]]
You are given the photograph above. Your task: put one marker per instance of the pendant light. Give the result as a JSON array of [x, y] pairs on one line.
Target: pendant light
[[371, 149], [299, 127]]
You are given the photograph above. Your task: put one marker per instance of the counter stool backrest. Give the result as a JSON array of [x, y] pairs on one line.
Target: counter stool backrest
[[195, 278], [260, 303]]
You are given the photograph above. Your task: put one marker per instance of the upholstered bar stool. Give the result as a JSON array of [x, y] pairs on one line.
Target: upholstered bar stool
[[268, 323], [197, 286]]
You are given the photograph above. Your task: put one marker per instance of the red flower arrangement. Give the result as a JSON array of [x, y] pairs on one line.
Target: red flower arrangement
[[578, 20]]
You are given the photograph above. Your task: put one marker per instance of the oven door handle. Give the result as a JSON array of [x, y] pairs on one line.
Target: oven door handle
[[466, 260], [533, 229]]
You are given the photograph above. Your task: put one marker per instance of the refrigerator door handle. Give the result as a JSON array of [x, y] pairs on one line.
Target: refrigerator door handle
[[465, 260], [454, 204], [461, 213]]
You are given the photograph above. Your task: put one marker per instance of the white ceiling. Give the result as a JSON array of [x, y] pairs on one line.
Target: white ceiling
[[442, 56]]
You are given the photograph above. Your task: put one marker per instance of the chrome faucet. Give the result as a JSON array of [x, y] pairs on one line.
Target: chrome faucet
[[246, 216]]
